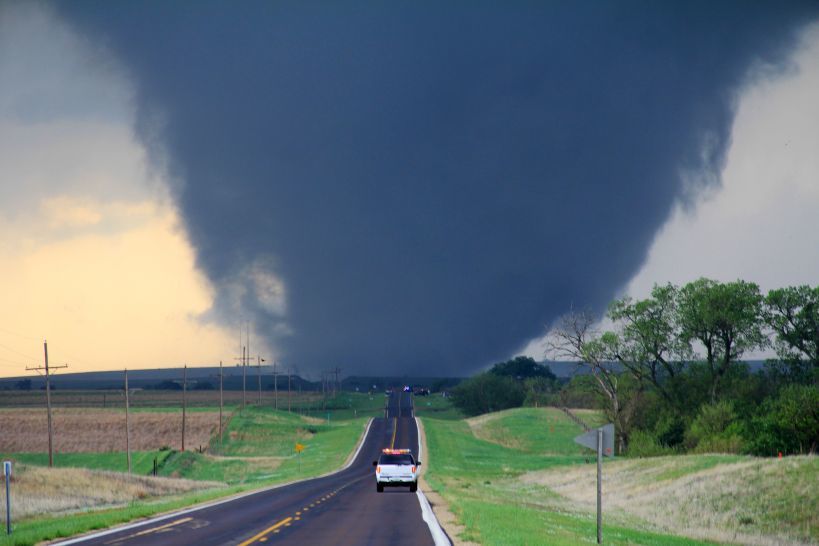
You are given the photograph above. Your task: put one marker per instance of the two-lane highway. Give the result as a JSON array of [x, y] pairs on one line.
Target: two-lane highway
[[343, 508]]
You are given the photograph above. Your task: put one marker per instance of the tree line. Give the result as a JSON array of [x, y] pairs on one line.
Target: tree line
[[668, 369]]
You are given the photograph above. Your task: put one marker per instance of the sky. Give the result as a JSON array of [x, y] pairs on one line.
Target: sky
[[412, 189]]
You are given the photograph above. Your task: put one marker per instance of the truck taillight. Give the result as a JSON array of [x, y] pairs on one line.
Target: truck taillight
[[413, 470], [378, 470]]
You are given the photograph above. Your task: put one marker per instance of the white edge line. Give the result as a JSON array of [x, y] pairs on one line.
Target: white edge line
[[215, 503], [438, 534]]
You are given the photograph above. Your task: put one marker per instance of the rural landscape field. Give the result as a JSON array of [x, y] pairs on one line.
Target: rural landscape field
[[513, 477], [90, 482], [516, 478]]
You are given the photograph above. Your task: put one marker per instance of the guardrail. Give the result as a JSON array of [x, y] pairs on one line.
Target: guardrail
[[575, 418]]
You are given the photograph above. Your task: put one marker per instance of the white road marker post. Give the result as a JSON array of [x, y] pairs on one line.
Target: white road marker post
[[7, 473]]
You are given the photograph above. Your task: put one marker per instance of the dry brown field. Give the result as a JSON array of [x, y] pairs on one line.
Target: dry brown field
[[148, 398], [41, 490], [101, 430], [756, 501]]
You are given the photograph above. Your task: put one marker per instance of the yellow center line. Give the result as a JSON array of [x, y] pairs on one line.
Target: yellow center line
[[394, 430], [152, 530], [251, 540]]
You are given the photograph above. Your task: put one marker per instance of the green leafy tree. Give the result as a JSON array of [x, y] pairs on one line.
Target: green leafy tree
[[538, 390], [487, 392], [649, 346], [522, 367], [788, 423], [793, 314], [726, 318]]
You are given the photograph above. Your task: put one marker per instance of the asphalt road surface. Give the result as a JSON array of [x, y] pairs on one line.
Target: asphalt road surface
[[340, 509]]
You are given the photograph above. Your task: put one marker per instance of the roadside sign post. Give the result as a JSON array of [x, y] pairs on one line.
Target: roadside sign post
[[602, 441], [7, 474], [299, 449]]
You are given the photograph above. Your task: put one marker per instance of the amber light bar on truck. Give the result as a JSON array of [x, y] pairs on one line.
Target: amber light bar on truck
[[395, 451]]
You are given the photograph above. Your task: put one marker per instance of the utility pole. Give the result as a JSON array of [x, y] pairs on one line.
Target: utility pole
[[289, 376], [259, 361], [324, 389], [244, 376], [221, 401], [337, 384], [48, 400], [184, 401], [275, 386], [127, 424], [247, 353]]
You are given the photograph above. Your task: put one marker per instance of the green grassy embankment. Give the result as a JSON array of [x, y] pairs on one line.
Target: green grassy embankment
[[436, 406], [259, 444], [516, 477], [258, 450], [142, 462], [480, 479]]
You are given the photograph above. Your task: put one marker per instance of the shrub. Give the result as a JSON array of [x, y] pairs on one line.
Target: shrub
[[669, 431], [715, 428], [788, 423], [644, 444]]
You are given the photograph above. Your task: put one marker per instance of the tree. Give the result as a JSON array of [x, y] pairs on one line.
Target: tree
[[649, 347], [793, 314], [23, 385], [726, 318], [522, 367], [488, 392], [574, 337]]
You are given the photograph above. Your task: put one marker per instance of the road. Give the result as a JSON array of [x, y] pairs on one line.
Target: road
[[340, 509]]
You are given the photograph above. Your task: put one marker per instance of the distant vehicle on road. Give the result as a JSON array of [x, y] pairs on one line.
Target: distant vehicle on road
[[396, 467], [407, 388]]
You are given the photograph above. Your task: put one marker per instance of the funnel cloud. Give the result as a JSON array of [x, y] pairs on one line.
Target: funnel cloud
[[418, 188]]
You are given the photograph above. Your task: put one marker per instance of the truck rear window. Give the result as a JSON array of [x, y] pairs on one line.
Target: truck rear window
[[396, 459]]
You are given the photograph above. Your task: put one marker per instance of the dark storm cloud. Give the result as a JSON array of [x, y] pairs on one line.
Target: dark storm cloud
[[433, 182]]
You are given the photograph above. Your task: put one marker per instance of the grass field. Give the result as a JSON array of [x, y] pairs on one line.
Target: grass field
[[346, 405], [729, 498], [258, 449], [516, 477], [41, 490], [436, 406], [142, 462], [259, 444]]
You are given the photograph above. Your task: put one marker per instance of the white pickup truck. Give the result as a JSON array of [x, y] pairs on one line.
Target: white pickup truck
[[396, 467]]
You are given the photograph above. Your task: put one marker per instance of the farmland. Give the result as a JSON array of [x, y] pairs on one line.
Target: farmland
[[256, 449], [149, 398], [102, 430]]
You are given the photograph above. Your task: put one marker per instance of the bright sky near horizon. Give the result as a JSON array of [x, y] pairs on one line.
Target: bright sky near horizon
[[92, 254], [95, 259]]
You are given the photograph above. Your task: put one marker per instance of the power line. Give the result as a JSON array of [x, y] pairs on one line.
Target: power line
[[18, 353], [18, 334], [15, 362]]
